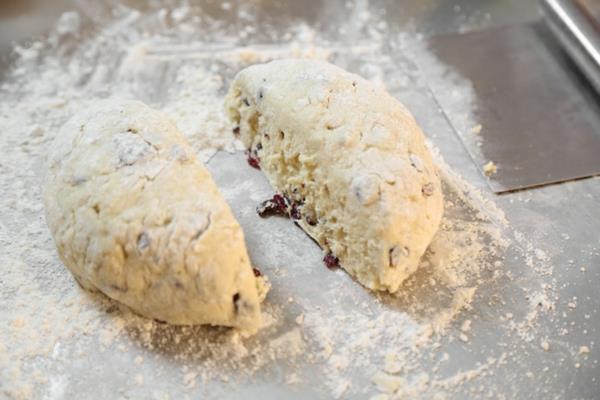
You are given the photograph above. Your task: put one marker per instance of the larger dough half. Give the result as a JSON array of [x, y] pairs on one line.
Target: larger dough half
[[349, 157]]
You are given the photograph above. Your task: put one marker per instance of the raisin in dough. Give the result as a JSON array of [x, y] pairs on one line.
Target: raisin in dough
[[349, 157], [135, 215]]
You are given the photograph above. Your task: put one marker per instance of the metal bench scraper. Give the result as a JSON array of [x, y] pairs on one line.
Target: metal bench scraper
[[537, 104]]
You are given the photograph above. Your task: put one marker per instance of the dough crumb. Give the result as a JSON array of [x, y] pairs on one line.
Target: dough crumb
[[387, 383], [476, 130], [189, 380], [380, 396], [466, 326], [490, 168], [392, 365], [292, 379], [545, 345], [584, 350], [18, 323], [340, 389]]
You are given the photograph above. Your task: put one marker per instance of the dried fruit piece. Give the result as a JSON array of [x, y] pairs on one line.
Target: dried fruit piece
[[331, 261], [294, 211], [280, 205], [253, 160], [274, 206]]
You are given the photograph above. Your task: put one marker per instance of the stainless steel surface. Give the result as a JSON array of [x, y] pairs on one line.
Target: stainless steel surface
[[579, 33], [546, 216], [540, 117]]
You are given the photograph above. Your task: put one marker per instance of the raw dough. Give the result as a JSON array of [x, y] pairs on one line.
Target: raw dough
[[349, 157], [134, 214]]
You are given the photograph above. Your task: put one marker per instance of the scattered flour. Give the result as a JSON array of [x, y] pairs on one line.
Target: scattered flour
[[181, 62]]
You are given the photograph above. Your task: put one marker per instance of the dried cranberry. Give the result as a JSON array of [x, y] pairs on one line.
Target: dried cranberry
[[257, 273], [280, 205], [331, 261], [236, 130], [274, 206], [294, 212], [280, 201], [253, 160]]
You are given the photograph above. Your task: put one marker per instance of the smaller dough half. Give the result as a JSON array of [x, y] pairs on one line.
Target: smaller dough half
[[348, 157], [135, 215]]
